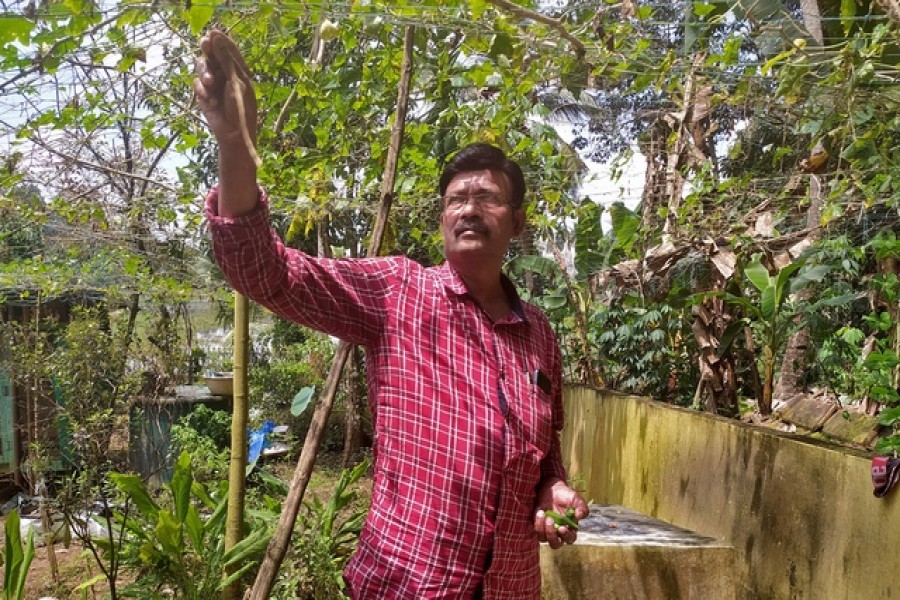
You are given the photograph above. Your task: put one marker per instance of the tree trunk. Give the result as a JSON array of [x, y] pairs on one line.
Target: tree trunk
[[680, 154], [655, 156], [793, 364], [765, 402], [717, 389]]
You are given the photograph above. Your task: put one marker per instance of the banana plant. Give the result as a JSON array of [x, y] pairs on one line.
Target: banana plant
[[774, 312]]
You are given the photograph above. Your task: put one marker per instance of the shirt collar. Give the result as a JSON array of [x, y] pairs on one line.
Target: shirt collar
[[454, 284]]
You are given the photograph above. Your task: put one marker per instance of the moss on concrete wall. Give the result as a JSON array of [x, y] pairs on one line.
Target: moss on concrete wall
[[800, 513]]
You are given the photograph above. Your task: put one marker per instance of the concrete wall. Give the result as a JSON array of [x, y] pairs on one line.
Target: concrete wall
[[800, 514]]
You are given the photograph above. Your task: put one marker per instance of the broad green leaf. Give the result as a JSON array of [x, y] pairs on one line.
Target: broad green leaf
[[13, 554], [702, 9], [193, 526], [588, 235], [556, 301], [728, 336], [783, 277], [541, 265], [851, 335], [883, 394], [215, 524], [848, 15], [625, 223], [247, 548], [301, 400], [814, 274], [889, 416], [767, 303], [501, 45], [169, 533], [132, 17], [15, 29], [758, 275], [198, 15], [888, 445], [881, 361], [134, 488], [842, 300], [181, 486], [86, 585], [236, 575], [477, 7], [18, 590]]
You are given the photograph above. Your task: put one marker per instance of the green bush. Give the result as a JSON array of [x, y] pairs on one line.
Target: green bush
[[206, 434], [326, 536], [647, 350], [177, 540]]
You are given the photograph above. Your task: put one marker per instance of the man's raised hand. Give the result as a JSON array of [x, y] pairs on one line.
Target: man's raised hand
[[224, 90]]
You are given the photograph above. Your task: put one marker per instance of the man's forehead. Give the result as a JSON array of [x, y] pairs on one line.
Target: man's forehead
[[485, 178]]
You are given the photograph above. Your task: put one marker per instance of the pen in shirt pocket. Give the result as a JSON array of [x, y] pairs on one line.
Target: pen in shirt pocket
[[540, 379]]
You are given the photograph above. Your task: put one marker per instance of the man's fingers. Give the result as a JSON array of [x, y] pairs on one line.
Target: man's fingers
[[229, 56], [221, 46], [555, 535]]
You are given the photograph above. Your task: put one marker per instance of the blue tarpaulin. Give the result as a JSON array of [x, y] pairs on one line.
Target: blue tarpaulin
[[259, 441]]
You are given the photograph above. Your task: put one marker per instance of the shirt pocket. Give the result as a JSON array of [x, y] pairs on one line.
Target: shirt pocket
[[531, 416]]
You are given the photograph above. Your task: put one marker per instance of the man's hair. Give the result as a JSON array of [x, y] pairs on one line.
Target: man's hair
[[479, 156]]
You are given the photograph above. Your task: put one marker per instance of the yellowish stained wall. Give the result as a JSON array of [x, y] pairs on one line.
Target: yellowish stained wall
[[800, 514]]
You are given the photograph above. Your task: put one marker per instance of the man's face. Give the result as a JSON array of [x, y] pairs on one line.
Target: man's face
[[477, 221]]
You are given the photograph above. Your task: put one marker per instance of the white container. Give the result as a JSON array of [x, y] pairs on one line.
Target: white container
[[220, 384]]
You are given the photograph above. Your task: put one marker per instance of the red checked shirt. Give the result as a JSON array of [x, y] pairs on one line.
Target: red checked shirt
[[463, 436]]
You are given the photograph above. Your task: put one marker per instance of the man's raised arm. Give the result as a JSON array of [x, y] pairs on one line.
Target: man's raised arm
[[224, 90]]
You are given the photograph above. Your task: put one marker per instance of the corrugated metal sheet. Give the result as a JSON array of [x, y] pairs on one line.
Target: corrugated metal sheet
[[150, 429]]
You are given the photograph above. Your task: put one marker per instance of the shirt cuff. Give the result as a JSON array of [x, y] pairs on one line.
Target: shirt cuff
[[237, 229], [258, 214]]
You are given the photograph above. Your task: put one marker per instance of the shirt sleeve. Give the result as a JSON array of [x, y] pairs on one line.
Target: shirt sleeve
[[345, 298]]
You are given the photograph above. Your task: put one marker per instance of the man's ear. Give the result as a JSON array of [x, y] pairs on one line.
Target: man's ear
[[518, 222]]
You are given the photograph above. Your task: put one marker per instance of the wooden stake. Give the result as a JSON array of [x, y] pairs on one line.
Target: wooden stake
[[277, 549]]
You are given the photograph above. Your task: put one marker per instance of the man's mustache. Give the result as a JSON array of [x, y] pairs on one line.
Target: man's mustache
[[473, 225]]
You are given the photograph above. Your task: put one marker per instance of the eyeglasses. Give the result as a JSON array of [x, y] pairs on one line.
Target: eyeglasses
[[486, 200]]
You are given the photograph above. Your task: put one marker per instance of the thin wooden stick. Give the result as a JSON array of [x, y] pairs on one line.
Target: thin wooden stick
[[237, 476], [277, 549]]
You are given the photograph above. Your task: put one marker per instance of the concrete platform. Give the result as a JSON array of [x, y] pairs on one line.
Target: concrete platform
[[624, 555]]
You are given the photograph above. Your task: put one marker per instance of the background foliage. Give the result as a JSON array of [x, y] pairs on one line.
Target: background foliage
[[767, 133]]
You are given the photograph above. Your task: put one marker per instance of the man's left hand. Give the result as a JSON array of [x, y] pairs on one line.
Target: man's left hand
[[558, 497]]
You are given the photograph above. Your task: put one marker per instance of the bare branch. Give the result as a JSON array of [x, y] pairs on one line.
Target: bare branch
[[555, 24], [103, 169]]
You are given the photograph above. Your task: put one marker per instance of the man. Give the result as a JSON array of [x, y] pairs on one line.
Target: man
[[465, 380]]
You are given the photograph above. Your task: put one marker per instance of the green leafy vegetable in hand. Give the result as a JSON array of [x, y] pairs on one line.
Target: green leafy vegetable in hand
[[567, 519]]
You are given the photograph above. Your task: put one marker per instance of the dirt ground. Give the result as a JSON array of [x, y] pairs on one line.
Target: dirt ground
[[74, 567]]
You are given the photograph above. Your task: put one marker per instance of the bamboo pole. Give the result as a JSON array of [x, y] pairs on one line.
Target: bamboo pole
[[277, 549], [234, 523]]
